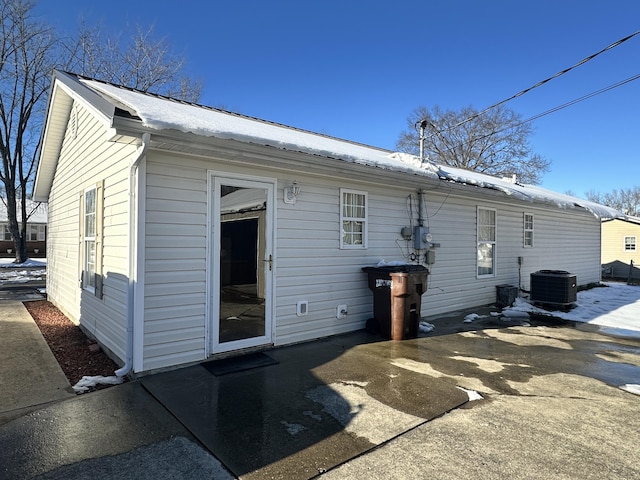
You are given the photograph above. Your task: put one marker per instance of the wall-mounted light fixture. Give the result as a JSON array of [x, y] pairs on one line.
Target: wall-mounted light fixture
[[291, 193]]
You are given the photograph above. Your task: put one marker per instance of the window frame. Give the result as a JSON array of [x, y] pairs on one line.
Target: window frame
[[630, 245], [481, 242], [364, 220], [6, 234], [526, 230], [39, 230], [89, 241], [91, 281]]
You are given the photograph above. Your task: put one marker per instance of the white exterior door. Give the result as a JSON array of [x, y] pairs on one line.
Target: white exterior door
[[240, 262]]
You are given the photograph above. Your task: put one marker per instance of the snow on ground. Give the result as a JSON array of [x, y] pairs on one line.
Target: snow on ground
[[425, 327], [10, 263], [471, 317], [472, 394], [28, 271], [615, 306], [88, 382], [631, 388]]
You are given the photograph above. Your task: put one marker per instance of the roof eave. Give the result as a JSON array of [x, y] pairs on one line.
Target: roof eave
[[65, 89]]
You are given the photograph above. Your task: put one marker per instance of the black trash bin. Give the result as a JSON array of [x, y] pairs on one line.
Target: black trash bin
[[506, 295], [397, 299]]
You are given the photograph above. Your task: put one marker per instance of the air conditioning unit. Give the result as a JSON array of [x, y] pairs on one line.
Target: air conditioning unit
[[554, 287]]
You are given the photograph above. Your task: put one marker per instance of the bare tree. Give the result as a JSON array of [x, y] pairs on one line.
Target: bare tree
[[495, 142], [140, 61], [29, 50], [626, 201], [26, 58]]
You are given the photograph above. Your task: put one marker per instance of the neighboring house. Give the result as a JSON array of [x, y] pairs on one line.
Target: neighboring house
[[178, 232], [621, 248], [36, 230]]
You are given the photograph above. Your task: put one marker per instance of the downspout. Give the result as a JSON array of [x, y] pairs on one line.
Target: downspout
[[132, 249]]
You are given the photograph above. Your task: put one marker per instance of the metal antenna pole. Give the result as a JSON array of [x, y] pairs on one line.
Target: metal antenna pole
[[423, 125]]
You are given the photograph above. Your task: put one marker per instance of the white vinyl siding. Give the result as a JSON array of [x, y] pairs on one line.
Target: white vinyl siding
[[175, 268], [308, 261], [175, 328], [83, 160], [310, 265], [313, 260], [331, 275], [565, 240]]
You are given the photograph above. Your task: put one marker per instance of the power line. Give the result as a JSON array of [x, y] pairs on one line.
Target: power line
[[552, 110], [546, 80], [546, 112], [580, 99]]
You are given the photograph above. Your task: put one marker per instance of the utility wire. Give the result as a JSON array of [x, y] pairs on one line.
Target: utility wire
[[580, 99], [551, 110], [555, 109], [546, 80]]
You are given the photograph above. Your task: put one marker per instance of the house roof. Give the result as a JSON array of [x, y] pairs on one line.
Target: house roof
[[628, 219], [162, 115], [65, 89], [36, 211]]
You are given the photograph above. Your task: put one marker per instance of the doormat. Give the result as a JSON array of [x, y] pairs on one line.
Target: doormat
[[239, 364]]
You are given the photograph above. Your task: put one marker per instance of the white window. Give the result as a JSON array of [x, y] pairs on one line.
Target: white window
[[89, 240], [630, 244], [353, 219], [486, 241], [91, 222], [6, 234], [36, 233], [528, 230]]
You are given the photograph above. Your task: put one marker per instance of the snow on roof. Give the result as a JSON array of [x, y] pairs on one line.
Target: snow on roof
[[37, 211], [628, 218], [161, 113], [245, 199]]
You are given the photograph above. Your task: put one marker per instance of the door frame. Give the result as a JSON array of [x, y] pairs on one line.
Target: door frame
[[212, 325]]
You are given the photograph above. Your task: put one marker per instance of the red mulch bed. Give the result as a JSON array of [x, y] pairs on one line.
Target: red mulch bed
[[77, 355]]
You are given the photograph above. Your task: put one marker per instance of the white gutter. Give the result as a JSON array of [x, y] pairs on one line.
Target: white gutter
[[132, 248]]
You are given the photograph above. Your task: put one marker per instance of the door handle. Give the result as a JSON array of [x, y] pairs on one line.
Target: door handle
[[270, 261]]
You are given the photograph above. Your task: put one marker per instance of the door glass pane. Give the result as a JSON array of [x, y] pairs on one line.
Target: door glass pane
[[243, 264]]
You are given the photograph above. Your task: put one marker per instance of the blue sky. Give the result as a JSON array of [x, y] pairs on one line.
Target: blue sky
[[356, 69]]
